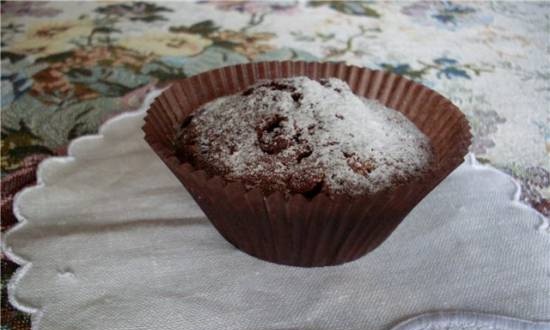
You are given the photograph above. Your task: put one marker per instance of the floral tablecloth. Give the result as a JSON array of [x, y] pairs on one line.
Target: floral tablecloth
[[67, 67]]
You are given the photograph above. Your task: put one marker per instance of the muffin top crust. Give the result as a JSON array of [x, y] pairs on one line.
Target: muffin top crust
[[298, 135]]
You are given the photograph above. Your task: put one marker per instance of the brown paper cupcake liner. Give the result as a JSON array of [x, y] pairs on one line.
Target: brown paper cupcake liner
[[294, 230]]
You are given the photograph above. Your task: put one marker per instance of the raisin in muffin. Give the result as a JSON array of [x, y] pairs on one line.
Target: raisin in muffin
[[299, 135]]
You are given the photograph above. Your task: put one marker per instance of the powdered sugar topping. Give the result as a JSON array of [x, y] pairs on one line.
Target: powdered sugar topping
[[302, 135]]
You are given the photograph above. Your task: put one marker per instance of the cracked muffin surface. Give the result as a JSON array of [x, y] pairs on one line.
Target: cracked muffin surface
[[298, 135]]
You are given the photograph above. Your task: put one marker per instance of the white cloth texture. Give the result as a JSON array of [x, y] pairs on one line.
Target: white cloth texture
[[110, 239]]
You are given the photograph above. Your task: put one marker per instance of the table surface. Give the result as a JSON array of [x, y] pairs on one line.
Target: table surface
[[67, 67]]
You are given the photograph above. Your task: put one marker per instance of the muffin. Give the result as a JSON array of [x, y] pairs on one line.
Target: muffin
[[298, 135], [294, 167]]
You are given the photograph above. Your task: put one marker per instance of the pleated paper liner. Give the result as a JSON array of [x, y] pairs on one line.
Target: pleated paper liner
[[294, 230]]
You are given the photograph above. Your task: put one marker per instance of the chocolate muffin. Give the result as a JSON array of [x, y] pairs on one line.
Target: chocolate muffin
[[298, 135], [306, 172]]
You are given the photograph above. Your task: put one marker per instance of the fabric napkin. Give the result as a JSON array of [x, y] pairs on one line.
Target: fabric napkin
[[111, 240]]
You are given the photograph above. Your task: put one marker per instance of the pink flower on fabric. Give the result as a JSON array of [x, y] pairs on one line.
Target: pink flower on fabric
[[31, 8]]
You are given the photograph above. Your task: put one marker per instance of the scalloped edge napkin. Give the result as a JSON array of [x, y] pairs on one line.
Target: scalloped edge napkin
[[110, 240]]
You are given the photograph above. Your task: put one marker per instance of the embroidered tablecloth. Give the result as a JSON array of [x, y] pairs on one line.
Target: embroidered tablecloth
[[67, 67]]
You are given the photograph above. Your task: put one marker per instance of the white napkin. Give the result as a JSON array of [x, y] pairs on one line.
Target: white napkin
[[111, 240]]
